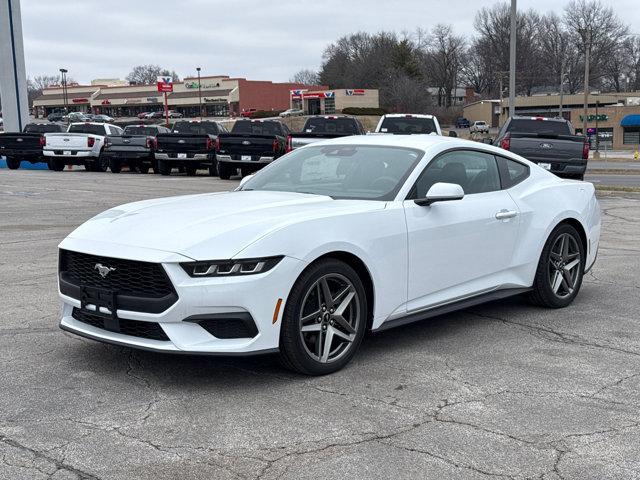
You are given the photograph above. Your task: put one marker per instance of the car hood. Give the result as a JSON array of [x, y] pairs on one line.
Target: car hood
[[211, 226]]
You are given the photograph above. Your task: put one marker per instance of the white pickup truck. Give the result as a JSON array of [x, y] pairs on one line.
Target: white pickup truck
[[408, 124], [80, 145]]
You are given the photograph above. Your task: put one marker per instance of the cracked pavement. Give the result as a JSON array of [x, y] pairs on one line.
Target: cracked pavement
[[503, 390]]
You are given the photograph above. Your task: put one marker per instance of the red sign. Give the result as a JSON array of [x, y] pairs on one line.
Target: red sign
[[165, 84], [354, 91], [80, 100], [318, 94], [105, 102]]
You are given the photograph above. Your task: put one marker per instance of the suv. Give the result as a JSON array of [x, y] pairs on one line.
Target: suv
[[479, 126]]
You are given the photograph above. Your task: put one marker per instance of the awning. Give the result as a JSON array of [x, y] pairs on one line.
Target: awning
[[631, 121]]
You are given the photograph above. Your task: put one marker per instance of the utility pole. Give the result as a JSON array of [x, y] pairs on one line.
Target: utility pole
[[587, 36], [500, 87], [65, 101], [512, 60]]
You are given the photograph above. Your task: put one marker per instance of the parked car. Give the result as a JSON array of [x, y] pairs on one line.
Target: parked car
[[462, 122], [75, 117], [27, 145], [102, 118], [327, 243], [190, 145], [479, 126], [134, 148], [174, 114], [142, 115], [292, 112], [80, 145], [549, 142], [408, 124], [323, 127], [248, 113], [55, 117], [251, 145], [159, 114]]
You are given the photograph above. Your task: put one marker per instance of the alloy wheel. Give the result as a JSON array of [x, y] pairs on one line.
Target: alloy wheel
[[329, 318], [564, 265]]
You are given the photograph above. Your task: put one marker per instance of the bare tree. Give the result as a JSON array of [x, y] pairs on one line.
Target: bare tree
[[443, 59], [147, 74], [36, 85], [306, 77]]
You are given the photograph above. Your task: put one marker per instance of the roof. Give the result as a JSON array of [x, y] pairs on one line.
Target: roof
[[632, 120]]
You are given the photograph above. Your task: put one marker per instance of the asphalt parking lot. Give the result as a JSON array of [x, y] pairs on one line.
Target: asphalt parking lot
[[504, 390]]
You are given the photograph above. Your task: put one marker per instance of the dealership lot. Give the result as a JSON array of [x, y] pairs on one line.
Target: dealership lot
[[504, 389]]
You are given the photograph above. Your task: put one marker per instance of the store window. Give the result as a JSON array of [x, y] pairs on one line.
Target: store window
[[631, 136]]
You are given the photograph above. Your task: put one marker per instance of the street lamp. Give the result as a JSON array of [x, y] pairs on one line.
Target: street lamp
[[63, 73], [199, 92]]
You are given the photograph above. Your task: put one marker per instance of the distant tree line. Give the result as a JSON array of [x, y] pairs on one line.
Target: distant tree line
[[550, 49]]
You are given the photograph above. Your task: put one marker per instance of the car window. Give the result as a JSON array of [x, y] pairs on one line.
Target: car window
[[549, 127], [115, 130], [407, 125], [475, 172], [87, 128], [42, 128], [151, 130], [512, 172], [257, 128], [196, 128], [340, 125]]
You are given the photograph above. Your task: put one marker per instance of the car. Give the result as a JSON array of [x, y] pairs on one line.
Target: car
[[292, 112], [408, 124], [462, 122], [479, 126], [81, 144], [174, 114], [55, 117], [549, 142], [27, 146], [322, 127], [159, 114], [142, 115], [75, 117], [248, 113], [102, 118], [327, 242]]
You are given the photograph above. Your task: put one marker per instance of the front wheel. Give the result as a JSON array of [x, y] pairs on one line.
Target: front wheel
[[324, 320], [13, 163], [164, 167], [560, 269]]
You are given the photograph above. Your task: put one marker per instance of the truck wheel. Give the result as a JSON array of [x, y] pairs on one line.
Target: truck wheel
[[143, 168], [100, 165], [191, 170], [224, 171], [115, 166], [89, 166], [154, 165], [56, 164], [164, 167], [213, 169], [13, 163]]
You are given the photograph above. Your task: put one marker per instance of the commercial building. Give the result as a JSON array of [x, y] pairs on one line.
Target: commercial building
[[220, 96], [325, 101]]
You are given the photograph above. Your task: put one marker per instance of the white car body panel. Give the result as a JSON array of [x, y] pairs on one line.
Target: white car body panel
[[76, 143], [418, 257]]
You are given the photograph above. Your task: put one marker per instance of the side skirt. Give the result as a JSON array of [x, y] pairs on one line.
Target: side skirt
[[451, 307]]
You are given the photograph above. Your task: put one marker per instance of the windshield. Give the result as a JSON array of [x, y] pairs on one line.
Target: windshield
[[257, 128], [148, 131], [549, 127], [340, 171], [196, 128], [345, 126], [42, 128], [407, 125], [87, 128]]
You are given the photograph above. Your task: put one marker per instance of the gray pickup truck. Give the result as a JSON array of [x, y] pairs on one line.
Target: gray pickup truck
[[134, 148], [324, 127], [549, 142]]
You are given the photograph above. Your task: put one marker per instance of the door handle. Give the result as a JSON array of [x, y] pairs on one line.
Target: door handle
[[506, 214]]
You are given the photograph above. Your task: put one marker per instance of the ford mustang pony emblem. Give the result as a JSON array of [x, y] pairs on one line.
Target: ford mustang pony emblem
[[103, 270]]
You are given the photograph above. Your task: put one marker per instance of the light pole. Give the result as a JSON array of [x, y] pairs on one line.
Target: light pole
[[587, 41], [512, 60], [199, 92], [63, 73]]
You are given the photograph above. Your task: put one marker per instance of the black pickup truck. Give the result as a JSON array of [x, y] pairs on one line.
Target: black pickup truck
[[251, 145], [190, 145], [27, 146], [549, 142], [134, 148], [324, 127]]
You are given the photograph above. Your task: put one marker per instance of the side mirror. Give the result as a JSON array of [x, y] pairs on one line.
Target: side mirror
[[243, 181], [453, 133], [441, 192]]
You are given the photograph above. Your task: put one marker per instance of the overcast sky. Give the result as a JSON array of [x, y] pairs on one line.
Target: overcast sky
[[256, 39]]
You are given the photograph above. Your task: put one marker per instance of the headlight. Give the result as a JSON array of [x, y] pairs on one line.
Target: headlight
[[230, 268]]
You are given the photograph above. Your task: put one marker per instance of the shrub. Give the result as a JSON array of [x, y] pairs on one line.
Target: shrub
[[364, 111]]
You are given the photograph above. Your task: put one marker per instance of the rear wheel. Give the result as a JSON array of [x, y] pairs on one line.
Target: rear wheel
[[324, 320], [224, 171], [164, 167], [213, 169], [143, 168], [13, 163], [115, 166], [560, 269], [191, 170], [56, 164]]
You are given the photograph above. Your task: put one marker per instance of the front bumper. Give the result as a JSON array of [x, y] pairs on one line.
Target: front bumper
[[255, 296]]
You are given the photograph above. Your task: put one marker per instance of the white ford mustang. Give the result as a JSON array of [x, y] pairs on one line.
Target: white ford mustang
[[330, 240]]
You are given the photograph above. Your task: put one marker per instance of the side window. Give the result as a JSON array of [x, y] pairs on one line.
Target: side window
[[475, 172], [512, 172]]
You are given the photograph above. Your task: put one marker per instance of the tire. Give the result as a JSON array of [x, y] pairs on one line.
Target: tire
[[302, 309], [143, 168], [90, 166], [13, 163], [213, 169], [154, 165], [101, 164], [558, 277], [164, 167], [115, 166], [56, 164], [224, 171], [191, 170]]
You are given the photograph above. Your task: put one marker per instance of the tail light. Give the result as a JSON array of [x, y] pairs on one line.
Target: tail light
[[287, 146], [43, 141], [209, 144], [91, 142], [276, 145], [585, 150], [151, 143], [505, 143], [217, 144]]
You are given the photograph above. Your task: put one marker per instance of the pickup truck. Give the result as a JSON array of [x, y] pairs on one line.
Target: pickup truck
[[479, 126], [549, 142], [251, 145], [462, 122], [324, 127], [80, 145], [27, 146], [190, 145], [408, 124], [134, 148]]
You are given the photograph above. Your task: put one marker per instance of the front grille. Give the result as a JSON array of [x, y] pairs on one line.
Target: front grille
[[134, 328], [129, 277]]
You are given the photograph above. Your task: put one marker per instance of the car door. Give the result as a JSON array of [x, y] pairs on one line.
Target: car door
[[462, 247]]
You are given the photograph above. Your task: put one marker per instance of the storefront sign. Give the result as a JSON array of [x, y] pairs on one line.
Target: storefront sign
[[319, 95], [297, 93], [194, 85], [133, 100], [593, 118], [354, 91], [80, 100], [105, 102], [153, 100], [213, 100], [165, 84]]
